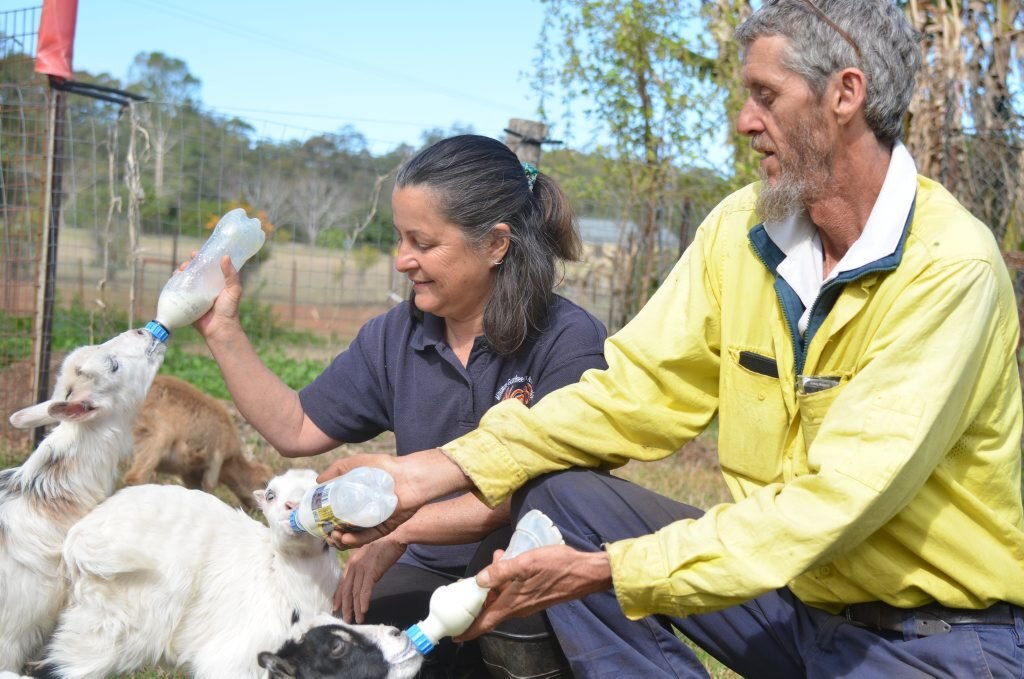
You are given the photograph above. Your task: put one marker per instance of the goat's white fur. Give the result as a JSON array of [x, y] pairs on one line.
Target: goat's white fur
[[97, 395], [167, 575]]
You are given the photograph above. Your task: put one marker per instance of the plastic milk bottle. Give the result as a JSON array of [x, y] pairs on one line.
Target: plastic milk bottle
[[454, 607], [189, 294], [362, 498]]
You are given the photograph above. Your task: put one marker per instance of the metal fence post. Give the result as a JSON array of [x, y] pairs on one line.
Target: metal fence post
[[48, 272]]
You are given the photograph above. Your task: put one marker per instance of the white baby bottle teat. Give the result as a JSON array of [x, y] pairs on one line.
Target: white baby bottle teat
[[454, 607]]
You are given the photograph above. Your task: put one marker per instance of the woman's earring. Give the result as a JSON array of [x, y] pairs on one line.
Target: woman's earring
[[498, 263]]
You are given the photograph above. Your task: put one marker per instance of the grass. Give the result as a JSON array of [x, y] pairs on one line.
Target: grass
[[187, 356]]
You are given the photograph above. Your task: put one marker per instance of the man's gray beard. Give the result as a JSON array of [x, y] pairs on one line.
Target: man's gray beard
[[804, 174], [786, 197]]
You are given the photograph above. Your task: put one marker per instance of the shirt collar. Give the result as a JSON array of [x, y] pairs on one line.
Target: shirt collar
[[798, 238], [428, 332]]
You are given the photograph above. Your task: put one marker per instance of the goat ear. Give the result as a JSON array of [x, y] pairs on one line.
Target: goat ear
[[33, 416], [276, 666], [259, 495], [72, 411]]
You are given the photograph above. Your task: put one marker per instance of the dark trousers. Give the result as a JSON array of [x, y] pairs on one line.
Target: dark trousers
[[774, 635], [402, 596]]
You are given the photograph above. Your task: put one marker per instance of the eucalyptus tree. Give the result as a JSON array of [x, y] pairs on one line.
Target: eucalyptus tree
[[172, 91], [321, 188], [966, 127], [640, 70], [722, 17]]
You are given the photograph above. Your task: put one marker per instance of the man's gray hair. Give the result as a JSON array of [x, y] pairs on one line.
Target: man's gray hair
[[889, 50]]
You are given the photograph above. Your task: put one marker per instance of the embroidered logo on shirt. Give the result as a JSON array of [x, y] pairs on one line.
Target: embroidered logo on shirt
[[517, 387]]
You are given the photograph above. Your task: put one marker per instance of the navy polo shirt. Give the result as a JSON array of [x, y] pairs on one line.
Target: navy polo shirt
[[400, 375]]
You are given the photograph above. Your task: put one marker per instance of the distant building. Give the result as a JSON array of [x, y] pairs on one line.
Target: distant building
[[597, 231]]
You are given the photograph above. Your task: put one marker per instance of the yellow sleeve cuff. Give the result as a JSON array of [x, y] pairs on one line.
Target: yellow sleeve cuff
[[484, 460]]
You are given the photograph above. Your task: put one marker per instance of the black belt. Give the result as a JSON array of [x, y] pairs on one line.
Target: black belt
[[929, 619]]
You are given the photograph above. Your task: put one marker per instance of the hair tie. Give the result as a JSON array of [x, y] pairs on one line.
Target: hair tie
[[531, 174]]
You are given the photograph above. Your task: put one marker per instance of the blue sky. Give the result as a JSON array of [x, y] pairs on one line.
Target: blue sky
[[392, 69]]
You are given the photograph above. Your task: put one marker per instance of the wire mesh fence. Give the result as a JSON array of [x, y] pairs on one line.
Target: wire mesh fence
[[134, 187], [144, 185], [24, 103], [123, 233], [141, 185]]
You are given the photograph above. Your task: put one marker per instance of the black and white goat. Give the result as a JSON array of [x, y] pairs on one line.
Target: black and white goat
[[327, 648], [98, 393], [164, 575]]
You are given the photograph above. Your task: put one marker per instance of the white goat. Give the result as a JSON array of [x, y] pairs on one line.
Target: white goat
[[98, 393], [325, 647], [172, 576]]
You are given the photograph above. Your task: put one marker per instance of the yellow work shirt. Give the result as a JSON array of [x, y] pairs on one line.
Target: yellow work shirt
[[900, 484]]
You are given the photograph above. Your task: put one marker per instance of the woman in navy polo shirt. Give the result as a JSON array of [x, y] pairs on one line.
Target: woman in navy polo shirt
[[479, 237]]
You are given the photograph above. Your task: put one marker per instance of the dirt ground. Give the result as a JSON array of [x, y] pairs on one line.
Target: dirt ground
[[15, 394]]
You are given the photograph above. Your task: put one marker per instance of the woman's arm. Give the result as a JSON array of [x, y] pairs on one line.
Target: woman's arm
[[267, 403]]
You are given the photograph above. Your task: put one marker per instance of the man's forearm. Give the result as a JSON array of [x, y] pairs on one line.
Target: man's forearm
[[431, 474]]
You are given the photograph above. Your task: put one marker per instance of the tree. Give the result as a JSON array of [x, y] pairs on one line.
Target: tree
[[22, 167], [90, 120], [646, 86], [268, 192], [723, 17], [319, 202], [966, 129], [170, 87], [436, 134]]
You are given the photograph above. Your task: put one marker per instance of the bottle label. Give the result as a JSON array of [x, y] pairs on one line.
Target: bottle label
[[326, 521]]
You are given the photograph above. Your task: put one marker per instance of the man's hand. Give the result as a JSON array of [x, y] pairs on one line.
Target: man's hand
[[364, 568], [535, 580], [419, 478]]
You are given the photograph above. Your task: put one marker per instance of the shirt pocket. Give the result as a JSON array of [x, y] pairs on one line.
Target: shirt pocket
[[753, 416], [813, 408]]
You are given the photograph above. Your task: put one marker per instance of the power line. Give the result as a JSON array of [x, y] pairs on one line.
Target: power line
[[305, 51], [323, 116]]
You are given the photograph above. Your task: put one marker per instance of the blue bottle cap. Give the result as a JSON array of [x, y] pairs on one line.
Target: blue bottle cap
[[419, 640], [293, 520], [158, 331]]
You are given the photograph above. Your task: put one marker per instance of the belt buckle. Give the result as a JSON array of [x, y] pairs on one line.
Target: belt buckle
[[930, 626]]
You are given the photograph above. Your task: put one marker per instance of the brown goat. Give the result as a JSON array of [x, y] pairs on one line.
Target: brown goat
[[185, 432]]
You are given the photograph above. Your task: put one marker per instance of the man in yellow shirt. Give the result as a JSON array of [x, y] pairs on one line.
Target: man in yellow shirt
[[854, 329]]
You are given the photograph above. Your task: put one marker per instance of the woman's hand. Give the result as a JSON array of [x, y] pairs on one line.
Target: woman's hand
[[223, 316], [364, 568], [342, 539]]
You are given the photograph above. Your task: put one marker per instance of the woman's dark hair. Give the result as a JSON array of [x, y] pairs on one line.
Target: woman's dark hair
[[478, 183]]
